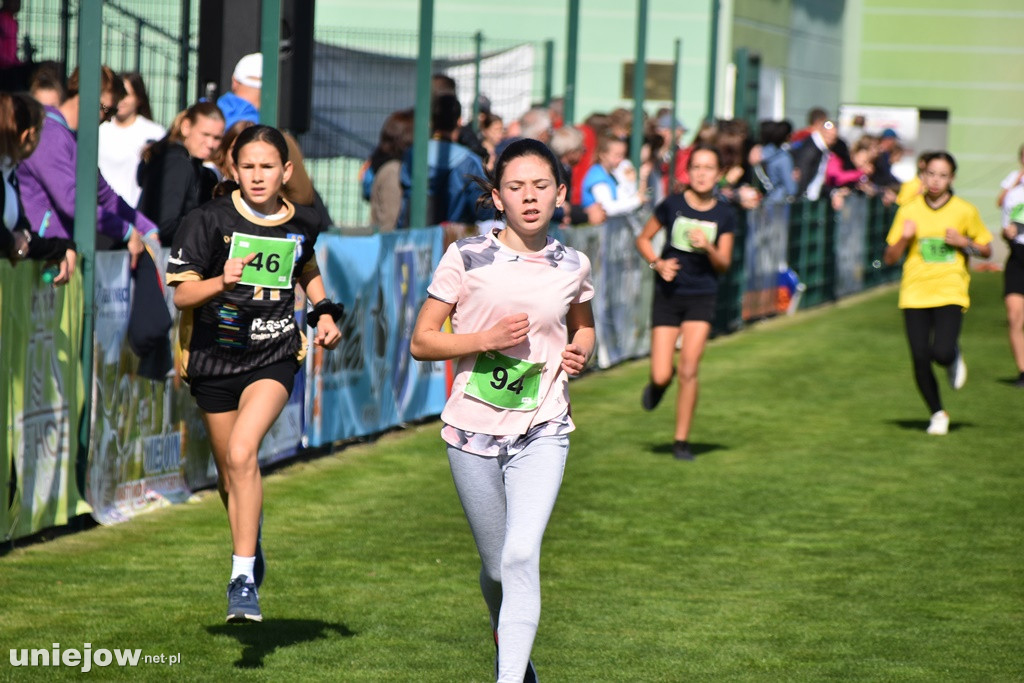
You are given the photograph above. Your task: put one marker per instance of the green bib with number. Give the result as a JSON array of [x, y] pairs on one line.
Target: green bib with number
[[274, 262], [935, 250], [505, 382], [681, 228]]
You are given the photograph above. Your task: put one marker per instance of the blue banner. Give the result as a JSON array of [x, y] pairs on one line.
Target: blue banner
[[851, 245], [370, 383], [623, 287], [765, 257]]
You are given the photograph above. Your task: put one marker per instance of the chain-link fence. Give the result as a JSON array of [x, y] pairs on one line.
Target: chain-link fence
[[140, 35], [360, 77], [363, 76]]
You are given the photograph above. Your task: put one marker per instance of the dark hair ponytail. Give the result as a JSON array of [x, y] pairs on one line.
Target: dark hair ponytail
[[260, 133], [522, 147]]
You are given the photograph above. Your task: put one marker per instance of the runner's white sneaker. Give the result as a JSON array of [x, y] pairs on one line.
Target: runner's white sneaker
[[957, 371], [939, 424]]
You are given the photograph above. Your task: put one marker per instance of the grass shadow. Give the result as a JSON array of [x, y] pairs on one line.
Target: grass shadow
[[1009, 381], [262, 639], [922, 425], [696, 447]]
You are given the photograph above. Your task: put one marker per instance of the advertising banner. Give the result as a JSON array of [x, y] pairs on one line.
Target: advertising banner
[[764, 257], [41, 331], [370, 383], [135, 462], [622, 288], [851, 245], [148, 444]]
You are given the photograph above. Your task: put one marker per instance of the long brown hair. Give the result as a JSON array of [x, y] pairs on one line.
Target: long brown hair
[[192, 114], [18, 113], [220, 158], [142, 107]]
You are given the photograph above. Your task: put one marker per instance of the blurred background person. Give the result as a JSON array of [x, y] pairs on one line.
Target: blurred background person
[[220, 161], [21, 123], [48, 182], [452, 192], [46, 85], [173, 177], [567, 144], [123, 138], [810, 160], [243, 100], [602, 186], [492, 132], [396, 137], [775, 170]]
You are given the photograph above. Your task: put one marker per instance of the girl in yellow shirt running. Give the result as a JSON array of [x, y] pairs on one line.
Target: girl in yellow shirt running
[[938, 232]]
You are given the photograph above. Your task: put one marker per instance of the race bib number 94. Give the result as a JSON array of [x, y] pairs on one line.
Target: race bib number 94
[[505, 382], [275, 259]]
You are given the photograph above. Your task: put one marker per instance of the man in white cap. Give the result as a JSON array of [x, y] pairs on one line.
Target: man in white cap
[[243, 102]]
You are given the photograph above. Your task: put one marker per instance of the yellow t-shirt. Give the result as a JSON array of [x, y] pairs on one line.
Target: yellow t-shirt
[[935, 274], [908, 190]]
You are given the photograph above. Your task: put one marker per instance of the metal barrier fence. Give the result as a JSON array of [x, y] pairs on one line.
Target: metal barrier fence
[[363, 76], [147, 443], [138, 35], [833, 253]]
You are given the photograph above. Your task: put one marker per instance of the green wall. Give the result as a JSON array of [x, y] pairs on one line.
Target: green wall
[[607, 38], [804, 40], [964, 57]]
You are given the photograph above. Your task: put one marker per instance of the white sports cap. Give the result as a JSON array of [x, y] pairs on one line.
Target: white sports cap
[[249, 70]]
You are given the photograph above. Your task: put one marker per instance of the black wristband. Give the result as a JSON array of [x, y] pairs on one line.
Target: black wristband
[[325, 307]]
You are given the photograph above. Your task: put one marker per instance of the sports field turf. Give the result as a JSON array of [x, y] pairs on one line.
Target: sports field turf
[[820, 535]]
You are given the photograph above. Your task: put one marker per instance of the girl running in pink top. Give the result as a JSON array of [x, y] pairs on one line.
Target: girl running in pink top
[[519, 302]]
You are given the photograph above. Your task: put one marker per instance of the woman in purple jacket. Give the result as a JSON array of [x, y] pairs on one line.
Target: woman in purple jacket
[[47, 178]]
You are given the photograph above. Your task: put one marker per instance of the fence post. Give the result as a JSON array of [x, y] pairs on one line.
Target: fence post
[[138, 46], [65, 36], [571, 47], [676, 68], [716, 8], [183, 54], [90, 32], [479, 40], [639, 81], [270, 38], [549, 70], [421, 118]]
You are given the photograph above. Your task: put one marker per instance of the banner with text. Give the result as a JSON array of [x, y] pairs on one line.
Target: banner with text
[[623, 287], [40, 344], [370, 383], [135, 448]]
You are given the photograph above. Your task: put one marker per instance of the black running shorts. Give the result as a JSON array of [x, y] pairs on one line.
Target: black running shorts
[[221, 394], [675, 310], [1013, 274]]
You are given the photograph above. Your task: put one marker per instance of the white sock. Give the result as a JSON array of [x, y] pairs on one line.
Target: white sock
[[242, 566]]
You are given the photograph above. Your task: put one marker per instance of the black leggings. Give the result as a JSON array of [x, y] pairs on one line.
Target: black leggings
[[933, 334]]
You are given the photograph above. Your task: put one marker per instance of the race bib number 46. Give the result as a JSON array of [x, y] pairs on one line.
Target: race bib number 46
[[275, 259], [505, 382], [935, 250]]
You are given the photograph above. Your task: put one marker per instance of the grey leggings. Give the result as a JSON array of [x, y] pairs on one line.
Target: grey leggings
[[508, 502]]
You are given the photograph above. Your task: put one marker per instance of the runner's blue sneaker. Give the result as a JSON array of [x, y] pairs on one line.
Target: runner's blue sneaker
[[243, 602]]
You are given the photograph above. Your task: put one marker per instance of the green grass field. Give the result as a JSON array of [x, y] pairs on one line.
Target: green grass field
[[820, 535]]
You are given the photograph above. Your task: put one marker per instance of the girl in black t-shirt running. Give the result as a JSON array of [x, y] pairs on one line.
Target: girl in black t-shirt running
[[234, 263], [697, 250]]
